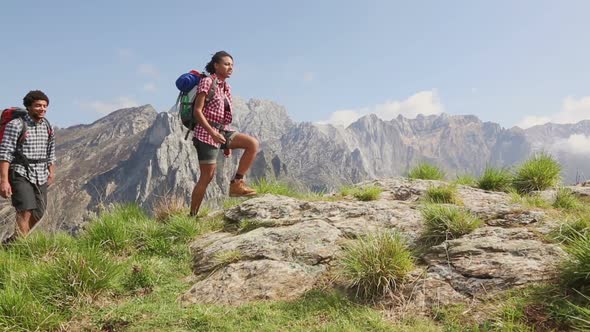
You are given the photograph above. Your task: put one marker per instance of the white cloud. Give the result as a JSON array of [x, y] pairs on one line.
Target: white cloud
[[106, 107], [572, 111], [423, 102], [148, 70], [575, 144], [150, 87]]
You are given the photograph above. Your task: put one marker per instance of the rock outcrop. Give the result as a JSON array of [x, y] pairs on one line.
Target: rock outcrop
[[277, 247]]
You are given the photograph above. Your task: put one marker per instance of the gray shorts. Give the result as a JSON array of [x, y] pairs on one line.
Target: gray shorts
[[208, 153], [27, 196]]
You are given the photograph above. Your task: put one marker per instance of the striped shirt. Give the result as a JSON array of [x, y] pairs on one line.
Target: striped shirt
[[37, 145], [215, 109]]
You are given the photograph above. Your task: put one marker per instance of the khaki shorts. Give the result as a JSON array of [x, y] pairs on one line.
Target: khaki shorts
[[27, 196], [208, 153]]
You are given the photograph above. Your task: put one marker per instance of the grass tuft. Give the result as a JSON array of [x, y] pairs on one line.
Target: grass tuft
[[576, 269], [364, 193], [495, 179], [466, 180], [374, 264], [426, 171], [86, 272], [167, 206], [227, 257], [566, 199], [444, 194], [537, 173], [445, 222]]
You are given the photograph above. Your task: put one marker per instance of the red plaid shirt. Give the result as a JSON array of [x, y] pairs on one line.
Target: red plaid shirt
[[214, 110]]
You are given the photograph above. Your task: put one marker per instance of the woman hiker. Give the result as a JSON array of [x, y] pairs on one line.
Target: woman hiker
[[212, 131]]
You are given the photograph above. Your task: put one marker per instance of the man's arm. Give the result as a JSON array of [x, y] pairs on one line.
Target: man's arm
[[5, 188], [7, 148], [51, 158]]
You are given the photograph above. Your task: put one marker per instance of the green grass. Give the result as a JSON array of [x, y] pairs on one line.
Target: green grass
[[466, 180], [315, 311], [444, 222], [426, 171], [566, 199], [576, 269], [530, 200], [139, 276], [375, 264], [540, 172], [72, 276], [264, 186], [495, 179], [21, 311], [227, 257], [575, 225], [362, 193], [444, 194]]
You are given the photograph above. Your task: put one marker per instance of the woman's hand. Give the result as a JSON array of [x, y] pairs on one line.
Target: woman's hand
[[217, 137], [227, 153]]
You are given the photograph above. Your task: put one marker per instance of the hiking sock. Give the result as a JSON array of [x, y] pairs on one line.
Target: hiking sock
[[237, 177]]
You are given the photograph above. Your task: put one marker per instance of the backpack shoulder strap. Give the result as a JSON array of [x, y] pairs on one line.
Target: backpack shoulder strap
[[211, 93], [23, 133], [49, 128]]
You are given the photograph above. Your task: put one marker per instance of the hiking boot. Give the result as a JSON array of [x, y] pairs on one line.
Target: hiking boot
[[238, 188]]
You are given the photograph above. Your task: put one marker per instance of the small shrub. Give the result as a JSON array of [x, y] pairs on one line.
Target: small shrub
[[445, 194], [495, 179], [566, 199], [538, 173], [426, 171], [444, 222], [466, 180], [374, 264], [168, 206], [576, 269]]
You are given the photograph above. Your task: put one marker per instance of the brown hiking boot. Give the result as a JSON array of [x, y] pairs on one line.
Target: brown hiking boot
[[238, 188]]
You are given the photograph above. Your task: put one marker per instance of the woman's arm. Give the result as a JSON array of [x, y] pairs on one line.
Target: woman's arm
[[198, 114]]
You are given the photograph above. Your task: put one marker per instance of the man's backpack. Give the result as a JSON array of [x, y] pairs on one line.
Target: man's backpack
[[185, 103], [10, 114]]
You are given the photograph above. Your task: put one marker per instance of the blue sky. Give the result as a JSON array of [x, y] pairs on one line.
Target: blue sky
[[511, 62]]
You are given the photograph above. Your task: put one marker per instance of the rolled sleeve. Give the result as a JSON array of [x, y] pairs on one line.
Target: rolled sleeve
[[9, 140], [204, 85]]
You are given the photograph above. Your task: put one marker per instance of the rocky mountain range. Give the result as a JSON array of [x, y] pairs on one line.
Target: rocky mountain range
[[140, 155]]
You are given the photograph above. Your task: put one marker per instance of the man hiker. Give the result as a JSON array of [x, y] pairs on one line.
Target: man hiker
[[27, 162]]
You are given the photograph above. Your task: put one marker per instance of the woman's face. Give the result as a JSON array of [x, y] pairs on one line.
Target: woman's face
[[224, 67]]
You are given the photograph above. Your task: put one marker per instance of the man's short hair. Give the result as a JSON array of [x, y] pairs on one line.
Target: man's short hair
[[34, 95]]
